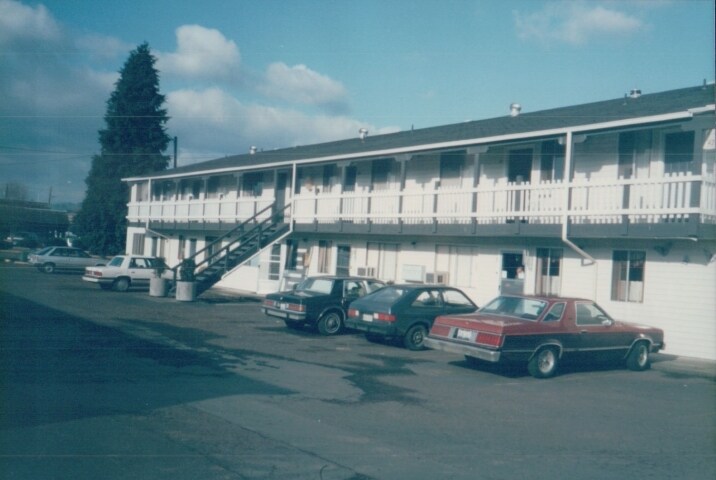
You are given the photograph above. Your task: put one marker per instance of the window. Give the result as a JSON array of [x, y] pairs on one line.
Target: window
[[380, 171], [525, 308], [455, 298], [343, 260], [552, 161], [329, 172], [590, 314], [219, 187], [679, 152], [555, 313], [353, 288], [628, 275], [324, 256], [252, 184], [428, 299], [275, 262], [549, 262], [349, 185], [138, 244], [451, 166]]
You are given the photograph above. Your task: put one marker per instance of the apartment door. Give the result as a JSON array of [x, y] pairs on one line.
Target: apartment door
[[512, 280], [519, 166]]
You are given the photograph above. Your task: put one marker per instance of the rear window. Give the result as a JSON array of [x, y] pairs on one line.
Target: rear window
[[317, 285], [116, 262], [388, 294], [525, 308], [44, 251]]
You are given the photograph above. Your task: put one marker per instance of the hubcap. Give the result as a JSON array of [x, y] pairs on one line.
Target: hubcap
[[546, 361], [643, 355]]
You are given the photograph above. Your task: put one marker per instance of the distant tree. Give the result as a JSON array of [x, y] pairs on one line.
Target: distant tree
[[131, 144]]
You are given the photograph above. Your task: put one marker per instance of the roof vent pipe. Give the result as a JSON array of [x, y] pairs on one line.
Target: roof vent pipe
[[515, 109], [252, 150], [362, 133], [635, 93]]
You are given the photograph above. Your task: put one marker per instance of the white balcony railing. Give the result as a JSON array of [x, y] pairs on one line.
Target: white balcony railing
[[674, 197]]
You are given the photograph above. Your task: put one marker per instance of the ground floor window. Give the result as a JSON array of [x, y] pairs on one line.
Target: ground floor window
[[549, 267], [628, 275], [138, 244], [274, 270], [343, 260], [324, 256]]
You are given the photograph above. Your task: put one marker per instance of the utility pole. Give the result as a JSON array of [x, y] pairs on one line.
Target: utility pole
[[175, 152]]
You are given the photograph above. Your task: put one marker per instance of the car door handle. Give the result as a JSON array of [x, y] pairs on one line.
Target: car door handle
[[584, 331]]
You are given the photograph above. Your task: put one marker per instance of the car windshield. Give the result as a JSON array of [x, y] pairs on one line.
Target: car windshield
[[116, 262], [525, 308], [317, 285], [388, 294]]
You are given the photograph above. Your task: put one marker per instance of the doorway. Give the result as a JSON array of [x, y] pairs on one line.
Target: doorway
[[512, 280]]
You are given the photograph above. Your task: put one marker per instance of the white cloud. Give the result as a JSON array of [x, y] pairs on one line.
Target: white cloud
[[299, 84], [201, 52], [574, 23], [21, 22], [215, 123]]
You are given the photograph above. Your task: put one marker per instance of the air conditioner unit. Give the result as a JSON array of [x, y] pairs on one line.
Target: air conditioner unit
[[440, 278], [366, 271]]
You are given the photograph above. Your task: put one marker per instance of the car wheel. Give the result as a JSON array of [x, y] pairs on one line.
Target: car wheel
[[121, 284], [293, 325], [544, 363], [330, 323], [48, 267], [638, 358], [413, 339]]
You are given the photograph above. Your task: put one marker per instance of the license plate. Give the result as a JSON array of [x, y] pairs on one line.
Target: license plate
[[367, 317], [463, 334], [283, 306]]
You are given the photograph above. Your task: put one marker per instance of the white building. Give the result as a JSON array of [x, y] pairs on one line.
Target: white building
[[613, 200]]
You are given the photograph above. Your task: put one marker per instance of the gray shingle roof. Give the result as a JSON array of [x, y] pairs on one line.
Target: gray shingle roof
[[648, 105]]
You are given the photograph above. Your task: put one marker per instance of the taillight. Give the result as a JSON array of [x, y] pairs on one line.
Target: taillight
[[489, 339], [442, 330], [384, 317], [295, 307], [269, 303], [352, 312]]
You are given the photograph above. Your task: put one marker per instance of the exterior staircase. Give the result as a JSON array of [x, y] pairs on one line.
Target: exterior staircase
[[241, 244]]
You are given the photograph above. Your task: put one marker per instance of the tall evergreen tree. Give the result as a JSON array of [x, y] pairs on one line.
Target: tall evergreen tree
[[131, 144]]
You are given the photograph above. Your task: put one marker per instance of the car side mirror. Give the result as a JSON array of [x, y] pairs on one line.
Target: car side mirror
[[607, 322]]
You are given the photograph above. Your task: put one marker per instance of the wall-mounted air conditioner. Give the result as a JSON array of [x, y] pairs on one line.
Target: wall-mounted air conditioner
[[366, 271], [440, 278]]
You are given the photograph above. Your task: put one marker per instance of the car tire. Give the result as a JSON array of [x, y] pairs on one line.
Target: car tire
[[414, 337], [638, 358], [544, 363], [121, 284], [48, 267], [330, 323]]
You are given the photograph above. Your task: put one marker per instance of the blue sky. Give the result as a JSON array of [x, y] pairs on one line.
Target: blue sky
[[277, 73]]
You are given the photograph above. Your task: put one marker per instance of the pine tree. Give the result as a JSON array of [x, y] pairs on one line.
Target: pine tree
[[131, 144]]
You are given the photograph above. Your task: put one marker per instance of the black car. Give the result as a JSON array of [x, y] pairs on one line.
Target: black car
[[319, 301], [406, 311]]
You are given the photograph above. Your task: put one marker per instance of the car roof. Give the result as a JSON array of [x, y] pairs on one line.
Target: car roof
[[549, 298]]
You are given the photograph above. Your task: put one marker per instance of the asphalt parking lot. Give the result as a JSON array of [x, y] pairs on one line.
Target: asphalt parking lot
[[123, 385]]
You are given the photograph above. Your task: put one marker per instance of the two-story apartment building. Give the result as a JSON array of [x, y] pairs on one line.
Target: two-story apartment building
[[613, 200]]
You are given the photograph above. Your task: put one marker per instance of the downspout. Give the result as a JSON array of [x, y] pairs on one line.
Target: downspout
[[565, 210]]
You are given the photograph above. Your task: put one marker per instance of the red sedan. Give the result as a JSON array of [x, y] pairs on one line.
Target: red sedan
[[542, 332]]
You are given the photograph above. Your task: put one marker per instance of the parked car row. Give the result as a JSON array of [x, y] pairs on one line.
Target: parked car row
[[539, 332]]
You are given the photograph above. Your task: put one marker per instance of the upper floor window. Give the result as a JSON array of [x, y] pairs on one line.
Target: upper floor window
[[552, 161], [218, 187], [679, 152], [351, 174], [451, 169], [252, 184], [628, 275], [381, 172]]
